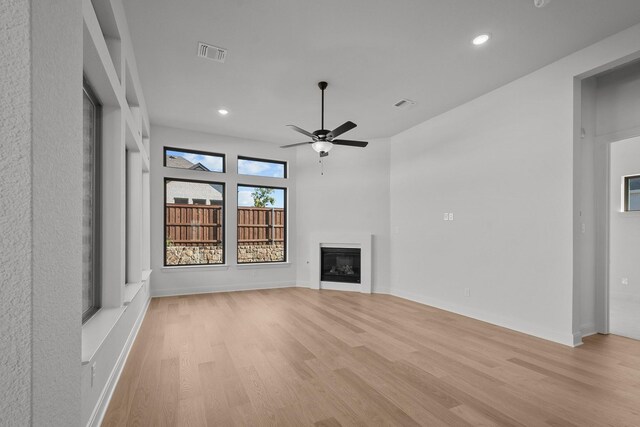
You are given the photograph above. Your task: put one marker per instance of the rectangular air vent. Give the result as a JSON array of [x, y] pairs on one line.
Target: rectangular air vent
[[215, 53], [404, 103]]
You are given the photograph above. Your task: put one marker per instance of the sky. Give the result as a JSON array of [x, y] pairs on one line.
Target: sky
[[245, 167], [212, 163], [256, 168], [245, 199]]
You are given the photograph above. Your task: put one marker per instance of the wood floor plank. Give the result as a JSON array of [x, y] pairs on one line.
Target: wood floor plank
[[299, 357]]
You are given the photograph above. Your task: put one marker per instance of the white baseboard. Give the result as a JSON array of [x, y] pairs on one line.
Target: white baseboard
[[589, 329], [338, 286], [103, 403], [223, 288], [505, 322]]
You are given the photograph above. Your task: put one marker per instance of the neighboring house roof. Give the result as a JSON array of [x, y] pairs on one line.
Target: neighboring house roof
[[199, 167], [182, 163], [211, 193], [186, 190]]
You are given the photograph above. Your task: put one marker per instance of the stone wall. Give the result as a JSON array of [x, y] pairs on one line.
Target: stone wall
[[212, 254], [261, 253]]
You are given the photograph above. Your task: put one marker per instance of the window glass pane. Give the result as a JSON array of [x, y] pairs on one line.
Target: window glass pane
[[262, 224], [257, 167], [194, 222], [633, 193], [194, 160], [90, 198]]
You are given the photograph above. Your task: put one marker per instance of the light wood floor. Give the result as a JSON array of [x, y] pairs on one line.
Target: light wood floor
[[300, 357]]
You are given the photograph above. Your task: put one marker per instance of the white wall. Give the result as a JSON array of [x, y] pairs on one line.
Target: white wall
[[624, 235], [503, 164], [195, 279], [351, 196], [40, 294], [589, 212], [618, 100]]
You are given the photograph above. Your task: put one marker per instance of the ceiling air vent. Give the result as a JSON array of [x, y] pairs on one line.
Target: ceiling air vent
[[404, 103], [215, 53]]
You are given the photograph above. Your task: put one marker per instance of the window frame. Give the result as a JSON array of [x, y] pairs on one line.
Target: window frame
[[627, 191], [187, 150], [257, 159], [224, 222], [96, 226], [285, 233]]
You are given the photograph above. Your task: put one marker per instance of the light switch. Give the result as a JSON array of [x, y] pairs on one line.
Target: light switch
[[446, 216]]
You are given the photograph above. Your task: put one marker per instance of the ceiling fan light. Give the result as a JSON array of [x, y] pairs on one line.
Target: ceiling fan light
[[320, 146]]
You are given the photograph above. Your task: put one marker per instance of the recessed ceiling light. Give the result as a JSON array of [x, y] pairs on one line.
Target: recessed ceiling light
[[481, 39], [223, 112]]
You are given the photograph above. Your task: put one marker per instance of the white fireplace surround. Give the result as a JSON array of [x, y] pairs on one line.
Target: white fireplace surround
[[341, 240]]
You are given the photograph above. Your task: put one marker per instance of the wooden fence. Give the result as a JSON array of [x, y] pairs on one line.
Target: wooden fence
[[260, 225], [188, 225]]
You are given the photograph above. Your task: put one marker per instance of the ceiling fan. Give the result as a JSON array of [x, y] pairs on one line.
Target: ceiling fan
[[323, 140]]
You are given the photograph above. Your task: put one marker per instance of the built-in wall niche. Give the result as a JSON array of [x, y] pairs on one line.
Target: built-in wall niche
[[130, 90], [106, 18]]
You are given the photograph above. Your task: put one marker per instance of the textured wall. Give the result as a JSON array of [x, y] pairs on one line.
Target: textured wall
[[15, 214], [56, 41]]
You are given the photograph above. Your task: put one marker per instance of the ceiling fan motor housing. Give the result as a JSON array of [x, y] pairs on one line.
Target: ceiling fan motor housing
[[321, 133]]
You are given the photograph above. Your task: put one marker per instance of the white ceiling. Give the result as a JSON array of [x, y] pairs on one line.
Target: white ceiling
[[372, 53]]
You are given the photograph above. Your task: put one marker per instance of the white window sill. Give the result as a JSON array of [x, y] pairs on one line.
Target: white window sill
[[263, 265], [131, 290], [97, 329], [630, 213], [179, 268]]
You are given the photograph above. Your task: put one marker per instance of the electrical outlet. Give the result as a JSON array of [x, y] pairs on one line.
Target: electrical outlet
[[446, 216], [467, 292], [583, 228], [625, 280], [93, 373], [451, 216]]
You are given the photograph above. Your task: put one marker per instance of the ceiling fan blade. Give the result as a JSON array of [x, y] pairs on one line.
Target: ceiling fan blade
[[297, 144], [350, 143], [304, 132], [346, 126]]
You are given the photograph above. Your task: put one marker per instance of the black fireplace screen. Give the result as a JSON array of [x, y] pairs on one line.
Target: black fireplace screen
[[340, 265]]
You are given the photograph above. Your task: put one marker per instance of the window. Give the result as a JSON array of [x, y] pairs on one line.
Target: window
[[261, 167], [90, 204], [194, 160], [262, 224], [632, 193], [194, 233]]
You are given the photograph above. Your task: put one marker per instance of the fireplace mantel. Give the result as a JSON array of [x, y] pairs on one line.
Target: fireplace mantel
[[348, 240]]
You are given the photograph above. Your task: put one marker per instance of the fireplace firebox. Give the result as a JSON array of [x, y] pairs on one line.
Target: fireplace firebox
[[340, 265]]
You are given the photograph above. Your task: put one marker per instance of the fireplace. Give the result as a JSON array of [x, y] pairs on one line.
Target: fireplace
[[340, 265]]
